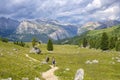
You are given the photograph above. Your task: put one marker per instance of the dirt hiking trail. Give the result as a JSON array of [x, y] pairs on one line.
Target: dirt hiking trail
[[49, 75]]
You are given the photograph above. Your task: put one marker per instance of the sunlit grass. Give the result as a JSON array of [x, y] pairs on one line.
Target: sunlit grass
[[14, 63]]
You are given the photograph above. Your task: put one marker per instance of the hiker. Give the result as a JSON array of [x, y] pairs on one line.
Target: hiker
[[53, 62], [47, 59]]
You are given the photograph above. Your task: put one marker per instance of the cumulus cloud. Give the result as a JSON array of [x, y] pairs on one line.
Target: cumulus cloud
[[73, 11]]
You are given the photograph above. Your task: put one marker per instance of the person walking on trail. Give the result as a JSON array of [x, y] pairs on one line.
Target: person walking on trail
[[53, 62], [47, 59]]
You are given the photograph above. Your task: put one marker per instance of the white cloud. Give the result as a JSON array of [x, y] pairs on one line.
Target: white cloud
[[109, 13], [71, 12], [94, 4], [17, 1], [66, 10]]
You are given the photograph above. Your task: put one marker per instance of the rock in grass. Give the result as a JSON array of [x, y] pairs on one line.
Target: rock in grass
[[79, 75], [36, 78], [35, 50], [67, 69], [7, 79], [25, 78], [92, 62], [88, 62], [95, 61], [118, 60]]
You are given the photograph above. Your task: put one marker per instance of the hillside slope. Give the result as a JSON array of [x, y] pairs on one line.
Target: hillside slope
[[14, 63], [112, 31]]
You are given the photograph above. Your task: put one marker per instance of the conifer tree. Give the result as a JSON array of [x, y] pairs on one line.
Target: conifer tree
[[117, 46], [97, 42], [112, 42], [22, 44], [85, 43], [92, 43], [50, 45], [104, 41]]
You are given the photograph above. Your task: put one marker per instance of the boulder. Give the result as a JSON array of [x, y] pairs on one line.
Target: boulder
[[95, 61], [7, 79], [35, 50], [67, 69], [79, 75], [88, 62], [92, 62], [118, 60]]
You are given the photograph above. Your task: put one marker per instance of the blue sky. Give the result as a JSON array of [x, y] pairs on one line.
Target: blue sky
[[72, 11]]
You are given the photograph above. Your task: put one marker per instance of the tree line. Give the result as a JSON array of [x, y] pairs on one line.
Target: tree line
[[4, 39], [20, 43], [104, 42], [34, 42]]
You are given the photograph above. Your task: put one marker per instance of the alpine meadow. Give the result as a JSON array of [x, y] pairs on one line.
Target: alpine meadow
[[59, 40]]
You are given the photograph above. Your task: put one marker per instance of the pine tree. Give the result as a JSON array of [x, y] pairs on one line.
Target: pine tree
[[104, 41], [117, 46], [80, 43], [85, 43], [50, 45], [22, 44], [97, 43], [92, 43], [112, 42]]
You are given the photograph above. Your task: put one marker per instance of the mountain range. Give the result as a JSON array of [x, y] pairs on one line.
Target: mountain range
[[8, 26], [43, 29]]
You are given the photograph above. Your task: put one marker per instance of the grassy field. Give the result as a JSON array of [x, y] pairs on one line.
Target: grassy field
[[14, 63]]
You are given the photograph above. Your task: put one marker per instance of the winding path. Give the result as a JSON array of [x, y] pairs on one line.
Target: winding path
[[48, 75], [31, 58]]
